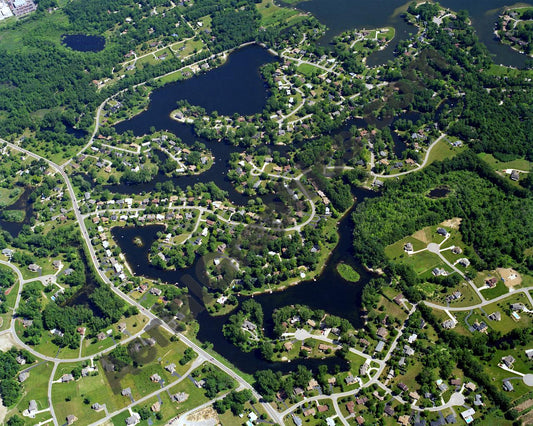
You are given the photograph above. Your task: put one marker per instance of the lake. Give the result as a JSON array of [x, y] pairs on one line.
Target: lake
[[83, 43], [342, 15], [23, 203], [329, 291]]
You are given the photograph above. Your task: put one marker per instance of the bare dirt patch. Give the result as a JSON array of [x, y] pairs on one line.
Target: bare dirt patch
[[421, 235], [203, 417], [524, 405], [6, 342], [510, 277], [453, 223], [527, 419]]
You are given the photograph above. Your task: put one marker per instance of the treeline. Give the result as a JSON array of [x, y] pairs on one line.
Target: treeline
[[10, 387]]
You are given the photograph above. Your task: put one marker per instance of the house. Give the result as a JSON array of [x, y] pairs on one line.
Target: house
[[330, 421], [350, 406], [439, 422], [403, 387], [309, 412], [332, 381], [71, 418], [364, 368], [298, 391], [150, 341], [471, 386], [361, 401], [65, 378], [478, 401], [442, 231], [464, 262], [350, 380], [408, 350], [133, 419], [468, 415], [323, 347], [312, 385], [156, 407], [517, 307], [155, 377], [389, 411], [508, 361], [20, 360], [249, 325], [56, 264], [101, 336], [155, 291], [126, 392], [507, 386], [414, 395], [457, 250], [311, 323], [121, 327], [180, 397], [481, 327], [7, 252], [401, 363], [322, 408], [364, 342], [448, 324], [515, 175], [450, 419], [288, 346], [438, 272], [491, 282], [33, 267], [380, 346], [455, 382], [32, 408], [360, 420], [408, 247], [297, 420], [495, 316], [23, 376], [171, 368], [98, 407], [398, 299], [382, 333], [403, 420], [252, 416]]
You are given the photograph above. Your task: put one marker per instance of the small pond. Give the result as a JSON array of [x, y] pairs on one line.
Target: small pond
[[439, 192], [83, 43]]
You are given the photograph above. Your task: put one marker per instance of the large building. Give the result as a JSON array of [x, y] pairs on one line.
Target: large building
[[22, 7], [5, 11]]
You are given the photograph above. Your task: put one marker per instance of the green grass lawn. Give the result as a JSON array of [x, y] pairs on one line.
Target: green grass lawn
[[10, 195], [272, 14], [520, 164], [78, 396], [5, 319], [196, 395], [35, 387], [498, 290], [308, 70], [443, 150]]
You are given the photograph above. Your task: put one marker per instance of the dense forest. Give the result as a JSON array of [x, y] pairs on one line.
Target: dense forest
[[497, 218]]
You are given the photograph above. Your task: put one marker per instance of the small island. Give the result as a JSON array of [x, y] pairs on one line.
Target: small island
[[348, 273]]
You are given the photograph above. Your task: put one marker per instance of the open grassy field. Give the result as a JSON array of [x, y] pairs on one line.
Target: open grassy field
[[272, 14], [9, 196], [519, 164], [443, 150], [35, 387], [78, 396], [308, 70]]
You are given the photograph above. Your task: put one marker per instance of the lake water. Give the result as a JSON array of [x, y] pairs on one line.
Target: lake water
[[329, 292], [342, 15], [24, 204], [84, 43]]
